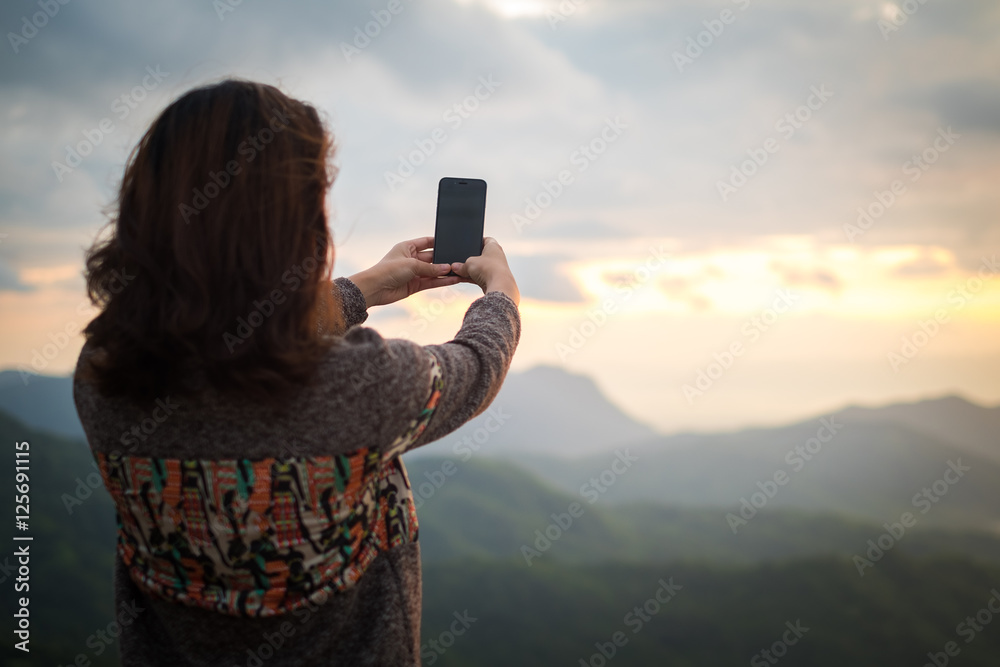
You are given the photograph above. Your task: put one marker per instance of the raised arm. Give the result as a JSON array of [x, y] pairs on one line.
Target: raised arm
[[426, 392]]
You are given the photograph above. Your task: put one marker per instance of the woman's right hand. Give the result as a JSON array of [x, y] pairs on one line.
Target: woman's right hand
[[489, 270]]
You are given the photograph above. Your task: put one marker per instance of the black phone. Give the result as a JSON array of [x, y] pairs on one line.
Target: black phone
[[461, 214]]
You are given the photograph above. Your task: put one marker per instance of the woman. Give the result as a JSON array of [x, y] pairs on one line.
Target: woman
[[247, 428]]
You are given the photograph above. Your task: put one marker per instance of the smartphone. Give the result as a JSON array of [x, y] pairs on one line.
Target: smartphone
[[461, 212]]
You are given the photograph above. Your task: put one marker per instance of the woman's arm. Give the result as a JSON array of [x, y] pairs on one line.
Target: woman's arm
[[490, 271], [398, 375], [474, 364], [405, 270]]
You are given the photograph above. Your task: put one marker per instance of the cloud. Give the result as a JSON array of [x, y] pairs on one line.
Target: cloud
[[543, 278], [972, 105], [807, 276], [9, 280], [924, 266], [590, 229], [684, 290], [686, 129]]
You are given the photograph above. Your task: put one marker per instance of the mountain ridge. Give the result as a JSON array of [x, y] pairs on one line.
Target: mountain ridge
[[569, 413]]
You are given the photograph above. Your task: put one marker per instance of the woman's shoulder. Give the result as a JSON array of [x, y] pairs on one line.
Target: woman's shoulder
[[364, 358]]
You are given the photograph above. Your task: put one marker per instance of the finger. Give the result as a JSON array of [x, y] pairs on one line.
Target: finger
[[431, 283], [410, 247], [422, 243], [421, 268], [426, 256], [460, 269]]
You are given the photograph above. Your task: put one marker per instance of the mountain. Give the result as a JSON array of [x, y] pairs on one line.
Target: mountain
[[870, 470], [541, 405], [41, 401], [559, 426], [951, 419], [547, 410], [809, 612], [475, 517], [496, 510]]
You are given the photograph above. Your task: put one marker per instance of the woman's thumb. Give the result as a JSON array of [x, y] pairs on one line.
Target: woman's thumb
[[429, 270]]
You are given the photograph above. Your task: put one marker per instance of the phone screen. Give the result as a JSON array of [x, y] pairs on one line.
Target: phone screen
[[461, 210]]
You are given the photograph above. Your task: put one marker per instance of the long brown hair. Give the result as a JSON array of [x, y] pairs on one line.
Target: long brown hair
[[219, 250]]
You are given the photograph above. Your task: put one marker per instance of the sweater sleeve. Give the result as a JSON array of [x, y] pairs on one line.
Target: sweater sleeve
[[355, 308], [473, 364], [414, 394]]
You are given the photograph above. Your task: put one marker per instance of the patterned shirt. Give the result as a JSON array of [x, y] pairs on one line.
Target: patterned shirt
[[262, 537], [238, 519]]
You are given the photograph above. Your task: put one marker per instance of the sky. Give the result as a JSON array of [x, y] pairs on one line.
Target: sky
[[727, 214]]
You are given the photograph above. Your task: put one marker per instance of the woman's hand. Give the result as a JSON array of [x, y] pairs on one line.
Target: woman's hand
[[405, 270], [489, 270]]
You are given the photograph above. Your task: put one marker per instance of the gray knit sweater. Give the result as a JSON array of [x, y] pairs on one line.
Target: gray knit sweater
[[255, 535]]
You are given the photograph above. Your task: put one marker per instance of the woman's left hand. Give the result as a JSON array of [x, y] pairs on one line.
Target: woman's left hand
[[405, 270]]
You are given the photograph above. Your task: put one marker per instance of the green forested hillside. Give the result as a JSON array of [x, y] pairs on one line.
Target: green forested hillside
[[71, 553], [871, 470], [554, 614], [738, 590], [492, 509]]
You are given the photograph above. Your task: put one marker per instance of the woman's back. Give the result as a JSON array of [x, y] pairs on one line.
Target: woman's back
[[251, 526]]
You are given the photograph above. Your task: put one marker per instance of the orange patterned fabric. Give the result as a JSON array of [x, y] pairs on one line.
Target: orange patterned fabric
[[261, 537]]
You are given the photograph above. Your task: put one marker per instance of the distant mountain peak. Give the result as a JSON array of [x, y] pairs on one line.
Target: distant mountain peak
[[952, 401], [553, 412], [951, 418]]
